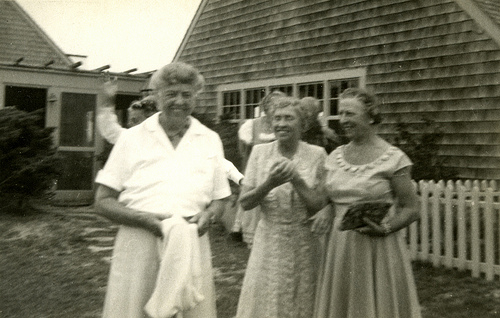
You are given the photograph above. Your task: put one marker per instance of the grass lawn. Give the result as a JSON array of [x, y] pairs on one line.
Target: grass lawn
[[54, 265]]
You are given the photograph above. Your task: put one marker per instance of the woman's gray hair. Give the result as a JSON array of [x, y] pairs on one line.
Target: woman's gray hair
[[266, 104], [177, 73], [368, 99], [285, 101]]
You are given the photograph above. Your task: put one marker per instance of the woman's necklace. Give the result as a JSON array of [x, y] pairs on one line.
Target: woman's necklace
[[364, 153]]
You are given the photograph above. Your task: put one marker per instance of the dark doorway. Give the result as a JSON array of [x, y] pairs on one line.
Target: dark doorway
[[26, 98]]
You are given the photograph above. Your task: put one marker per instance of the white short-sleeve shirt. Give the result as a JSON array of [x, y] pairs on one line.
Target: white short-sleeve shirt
[[154, 177]]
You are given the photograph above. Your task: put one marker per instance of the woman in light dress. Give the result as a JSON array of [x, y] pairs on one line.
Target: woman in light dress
[[366, 272], [254, 132], [282, 178]]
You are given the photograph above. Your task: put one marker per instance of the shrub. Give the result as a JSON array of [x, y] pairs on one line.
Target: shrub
[[422, 148], [30, 165]]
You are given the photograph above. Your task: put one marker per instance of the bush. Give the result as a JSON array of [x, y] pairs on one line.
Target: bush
[[30, 165], [422, 148]]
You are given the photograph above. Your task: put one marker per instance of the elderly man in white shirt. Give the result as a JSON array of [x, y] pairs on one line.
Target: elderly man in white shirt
[[139, 110], [169, 165]]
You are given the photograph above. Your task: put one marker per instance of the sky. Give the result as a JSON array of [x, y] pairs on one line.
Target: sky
[[125, 34]]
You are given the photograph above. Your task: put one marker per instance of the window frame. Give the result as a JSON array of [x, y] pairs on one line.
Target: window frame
[[324, 78]]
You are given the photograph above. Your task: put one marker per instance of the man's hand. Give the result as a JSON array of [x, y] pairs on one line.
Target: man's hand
[[203, 220]]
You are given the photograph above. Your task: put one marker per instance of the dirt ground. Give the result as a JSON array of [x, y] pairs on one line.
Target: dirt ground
[[56, 265]]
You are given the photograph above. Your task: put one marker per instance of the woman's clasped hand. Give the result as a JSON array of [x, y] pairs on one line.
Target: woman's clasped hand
[[282, 171]]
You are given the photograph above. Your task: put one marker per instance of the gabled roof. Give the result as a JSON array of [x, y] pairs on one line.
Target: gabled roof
[[486, 13], [491, 8], [199, 11], [24, 42]]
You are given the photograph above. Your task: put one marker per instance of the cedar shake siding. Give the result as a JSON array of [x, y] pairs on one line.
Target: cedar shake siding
[[21, 37], [423, 58]]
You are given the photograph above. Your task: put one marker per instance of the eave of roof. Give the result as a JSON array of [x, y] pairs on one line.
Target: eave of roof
[[39, 69], [42, 34], [484, 20], [192, 25]]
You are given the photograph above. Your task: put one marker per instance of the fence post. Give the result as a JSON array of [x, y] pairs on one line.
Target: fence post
[[448, 227], [436, 224], [462, 247], [488, 234], [475, 238], [424, 219]]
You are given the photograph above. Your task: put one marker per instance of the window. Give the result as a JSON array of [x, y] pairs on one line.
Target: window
[[77, 120], [312, 90], [337, 87], [27, 99], [287, 89], [252, 100], [231, 105], [240, 101]]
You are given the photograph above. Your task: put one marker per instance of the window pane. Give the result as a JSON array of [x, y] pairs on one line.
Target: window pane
[[252, 100], [311, 90], [77, 119], [77, 171], [287, 89], [27, 99], [337, 87], [231, 105]]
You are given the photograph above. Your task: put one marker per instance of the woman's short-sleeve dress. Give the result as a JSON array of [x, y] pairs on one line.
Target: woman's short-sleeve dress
[[363, 276], [282, 269], [251, 133]]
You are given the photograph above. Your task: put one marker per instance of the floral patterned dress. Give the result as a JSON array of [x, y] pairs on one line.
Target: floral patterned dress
[[363, 276], [282, 269]]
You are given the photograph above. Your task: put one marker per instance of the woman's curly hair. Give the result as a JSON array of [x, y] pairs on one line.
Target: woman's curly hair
[[368, 99], [177, 73]]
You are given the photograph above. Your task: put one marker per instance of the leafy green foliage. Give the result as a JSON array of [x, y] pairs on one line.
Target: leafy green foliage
[[422, 148], [30, 165]]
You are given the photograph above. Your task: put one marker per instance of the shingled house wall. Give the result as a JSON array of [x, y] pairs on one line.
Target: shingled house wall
[[424, 58]]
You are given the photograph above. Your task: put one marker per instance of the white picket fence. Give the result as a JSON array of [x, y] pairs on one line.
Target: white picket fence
[[459, 226]]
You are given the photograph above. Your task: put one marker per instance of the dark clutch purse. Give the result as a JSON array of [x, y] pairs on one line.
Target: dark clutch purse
[[373, 210]]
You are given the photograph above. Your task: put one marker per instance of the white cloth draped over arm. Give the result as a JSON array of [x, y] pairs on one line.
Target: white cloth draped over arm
[[107, 124], [178, 284], [231, 171]]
